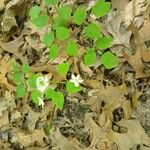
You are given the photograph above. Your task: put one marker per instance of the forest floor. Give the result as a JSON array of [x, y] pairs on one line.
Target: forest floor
[[111, 112]]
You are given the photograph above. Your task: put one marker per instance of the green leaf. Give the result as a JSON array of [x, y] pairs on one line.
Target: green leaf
[[54, 51], [80, 15], [62, 33], [101, 9], [104, 42], [50, 94], [16, 67], [51, 2], [48, 38], [41, 20], [17, 77], [25, 68], [58, 100], [65, 12], [90, 57], [71, 88], [35, 97], [59, 22], [72, 48], [92, 31], [21, 89], [32, 81], [34, 12], [63, 68], [48, 129], [109, 60]]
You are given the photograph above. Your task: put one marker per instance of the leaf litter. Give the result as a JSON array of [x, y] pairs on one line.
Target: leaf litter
[[112, 111]]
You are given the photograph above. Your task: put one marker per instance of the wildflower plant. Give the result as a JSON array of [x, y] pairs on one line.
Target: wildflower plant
[[39, 85]]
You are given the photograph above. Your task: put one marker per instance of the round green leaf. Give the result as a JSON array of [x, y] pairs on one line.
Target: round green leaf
[[32, 81], [35, 97], [50, 93], [71, 88], [72, 48], [80, 15], [34, 12], [21, 89], [101, 9], [59, 22], [65, 12], [58, 100], [54, 51], [63, 68], [90, 57], [51, 2], [109, 60], [104, 42], [62, 33], [17, 77], [25, 68], [41, 20], [48, 38], [92, 31]]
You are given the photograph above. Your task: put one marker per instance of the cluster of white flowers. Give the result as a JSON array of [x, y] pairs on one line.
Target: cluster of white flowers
[[42, 84]]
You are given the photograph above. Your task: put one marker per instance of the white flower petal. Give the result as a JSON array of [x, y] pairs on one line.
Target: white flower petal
[[41, 103], [73, 77], [46, 79], [78, 77], [76, 84]]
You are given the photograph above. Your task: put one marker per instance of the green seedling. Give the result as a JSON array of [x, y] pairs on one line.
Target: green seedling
[[61, 33]]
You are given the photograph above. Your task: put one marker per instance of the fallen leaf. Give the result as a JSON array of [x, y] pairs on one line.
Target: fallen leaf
[[135, 135], [2, 4]]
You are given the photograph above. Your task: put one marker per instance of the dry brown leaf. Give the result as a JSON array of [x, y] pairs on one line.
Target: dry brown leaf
[[98, 134], [113, 26], [134, 136], [12, 47], [86, 69], [144, 35], [135, 61], [5, 83], [114, 97], [133, 12], [2, 4], [4, 120], [29, 139]]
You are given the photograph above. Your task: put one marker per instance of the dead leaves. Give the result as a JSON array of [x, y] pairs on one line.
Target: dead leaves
[[134, 136]]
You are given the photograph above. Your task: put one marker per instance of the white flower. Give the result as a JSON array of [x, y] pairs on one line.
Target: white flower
[[76, 80], [42, 83], [41, 103]]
